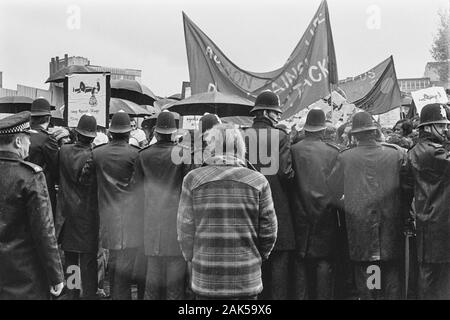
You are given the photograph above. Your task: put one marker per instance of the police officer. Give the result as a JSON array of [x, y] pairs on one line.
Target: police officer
[[429, 164], [370, 176], [44, 147], [78, 201], [268, 151], [121, 226], [30, 266], [158, 181], [315, 216]]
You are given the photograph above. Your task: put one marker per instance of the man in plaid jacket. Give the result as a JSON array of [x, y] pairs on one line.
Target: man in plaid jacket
[[226, 220]]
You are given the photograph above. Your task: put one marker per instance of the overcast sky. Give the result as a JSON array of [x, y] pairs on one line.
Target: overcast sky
[[256, 35]]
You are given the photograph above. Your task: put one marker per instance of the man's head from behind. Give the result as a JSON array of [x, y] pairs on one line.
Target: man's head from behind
[[40, 113], [225, 140]]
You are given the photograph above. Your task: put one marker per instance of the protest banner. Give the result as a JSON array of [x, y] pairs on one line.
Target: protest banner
[[378, 87], [306, 77], [358, 86], [87, 93], [429, 95]]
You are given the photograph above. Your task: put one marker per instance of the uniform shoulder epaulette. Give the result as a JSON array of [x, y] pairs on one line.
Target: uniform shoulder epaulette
[[100, 145], [33, 166], [393, 146], [435, 145], [332, 145]]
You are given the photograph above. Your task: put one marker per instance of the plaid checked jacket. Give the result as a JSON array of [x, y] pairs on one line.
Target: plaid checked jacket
[[226, 226]]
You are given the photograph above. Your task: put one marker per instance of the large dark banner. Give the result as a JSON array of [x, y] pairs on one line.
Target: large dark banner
[[306, 76], [376, 90]]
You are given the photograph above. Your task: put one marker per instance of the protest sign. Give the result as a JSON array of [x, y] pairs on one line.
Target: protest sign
[[87, 93], [429, 95]]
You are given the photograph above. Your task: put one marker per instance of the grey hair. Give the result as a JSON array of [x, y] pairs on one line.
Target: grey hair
[[225, 139]]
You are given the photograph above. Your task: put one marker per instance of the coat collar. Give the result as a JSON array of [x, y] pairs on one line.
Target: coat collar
[[9, 155], [369, 143], [224, 160], [165, 143], [83, 145], [262, 123]]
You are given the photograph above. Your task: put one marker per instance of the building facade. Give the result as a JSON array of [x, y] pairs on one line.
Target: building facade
[[408, 85]]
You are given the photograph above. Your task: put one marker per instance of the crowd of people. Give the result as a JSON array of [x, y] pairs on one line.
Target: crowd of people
[[225, 212]]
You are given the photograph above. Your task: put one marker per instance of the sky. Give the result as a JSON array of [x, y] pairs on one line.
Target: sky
[[257, 35]]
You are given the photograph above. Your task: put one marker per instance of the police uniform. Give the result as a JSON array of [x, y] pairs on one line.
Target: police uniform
[[112, 166], [315, 216], [78, 202], [276, 275], [429, 164], [29, 257], [370, 177]]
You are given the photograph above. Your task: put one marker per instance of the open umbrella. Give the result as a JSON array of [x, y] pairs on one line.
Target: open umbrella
[[224, 105], [163, 104], [132, 90], [15, 104], [60, 75], [133, 109]]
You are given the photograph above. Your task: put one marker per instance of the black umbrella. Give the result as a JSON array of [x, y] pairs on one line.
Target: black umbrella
[[15, 104], [133, 91], [224, 105], [60, 75], [122, 105]]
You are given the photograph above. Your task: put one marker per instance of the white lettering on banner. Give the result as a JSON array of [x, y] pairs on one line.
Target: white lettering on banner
[[240, 78], [311, 76], [323, 68]]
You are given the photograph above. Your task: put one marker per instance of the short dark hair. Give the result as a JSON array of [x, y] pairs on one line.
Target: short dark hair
[[320, 133], [84, 139], [407, 127], [120, 136], [365, 135], [6, 139], [38, 120], [163, 137], [258, 114]]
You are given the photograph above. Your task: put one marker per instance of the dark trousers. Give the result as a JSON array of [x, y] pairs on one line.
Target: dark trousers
[[314, 279], [276, 276], [199, 297], [121, 273], [166, 278], [434, 281], [139, 272], [390, 279], [87, 262]]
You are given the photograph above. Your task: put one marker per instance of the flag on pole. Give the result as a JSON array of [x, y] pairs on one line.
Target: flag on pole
[[375, 91], [307, 75]]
